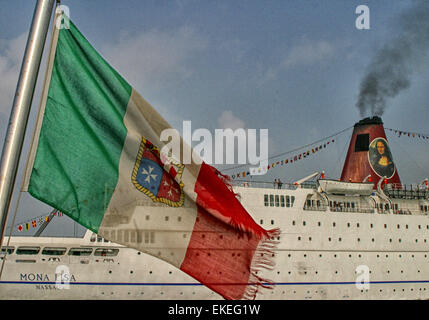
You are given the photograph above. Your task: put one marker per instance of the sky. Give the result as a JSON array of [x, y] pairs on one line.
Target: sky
[[292, 67]]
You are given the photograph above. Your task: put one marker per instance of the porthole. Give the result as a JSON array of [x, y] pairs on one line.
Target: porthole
[[303, 223], [333, 224]]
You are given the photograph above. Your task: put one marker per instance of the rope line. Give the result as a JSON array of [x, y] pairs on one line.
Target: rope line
[[293, 150]]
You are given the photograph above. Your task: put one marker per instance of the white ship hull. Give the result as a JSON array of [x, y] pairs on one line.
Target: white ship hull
[[319, 256]]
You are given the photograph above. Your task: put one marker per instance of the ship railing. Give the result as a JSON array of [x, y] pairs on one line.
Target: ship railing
[[357, 210], [315, 208], [403, 191], [272, 185]]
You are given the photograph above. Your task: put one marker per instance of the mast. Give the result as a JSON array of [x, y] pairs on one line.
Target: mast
[[21, 106]]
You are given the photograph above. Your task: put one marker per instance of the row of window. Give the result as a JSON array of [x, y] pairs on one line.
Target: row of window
[[359, 239], [371, 225], [131, 236], [277, 200], [287, 201], [344, 204], [55, 251]]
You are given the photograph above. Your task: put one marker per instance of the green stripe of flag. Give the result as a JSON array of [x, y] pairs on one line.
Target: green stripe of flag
[[82, 124]]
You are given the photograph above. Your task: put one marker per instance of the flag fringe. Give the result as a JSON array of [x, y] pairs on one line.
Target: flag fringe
[[262, 259]]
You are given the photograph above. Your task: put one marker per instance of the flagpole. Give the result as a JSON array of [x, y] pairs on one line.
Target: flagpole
[[21, 106]]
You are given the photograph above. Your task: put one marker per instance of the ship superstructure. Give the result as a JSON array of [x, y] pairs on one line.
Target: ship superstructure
[[364, 236]]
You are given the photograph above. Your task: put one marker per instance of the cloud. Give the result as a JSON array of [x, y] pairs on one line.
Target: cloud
[[11, 53], [153, 56], [228, 120], [304, 54], [307, 53]]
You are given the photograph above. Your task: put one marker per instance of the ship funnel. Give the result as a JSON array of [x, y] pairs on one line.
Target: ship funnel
[[369, 157]]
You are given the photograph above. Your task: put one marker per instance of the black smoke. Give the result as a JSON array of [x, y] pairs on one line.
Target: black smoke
[[392, 67]]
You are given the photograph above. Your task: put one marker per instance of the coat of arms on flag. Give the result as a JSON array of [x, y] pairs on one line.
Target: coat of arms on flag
[[157, 177]]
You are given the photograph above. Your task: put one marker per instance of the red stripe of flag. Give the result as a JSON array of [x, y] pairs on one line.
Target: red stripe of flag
[[225, 253]]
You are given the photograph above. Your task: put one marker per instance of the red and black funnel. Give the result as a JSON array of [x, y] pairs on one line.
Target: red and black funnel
[[369, 154]]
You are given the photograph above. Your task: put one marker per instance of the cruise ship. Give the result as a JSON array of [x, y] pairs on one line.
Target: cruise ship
[[363, 236]]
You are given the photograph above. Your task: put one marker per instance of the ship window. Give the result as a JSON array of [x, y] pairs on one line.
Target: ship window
[[308, 203], [104, 252], [80, 251], [292, 200], [54, 251], [353, 205], [287, 201], [277, 200], [282, 201], [99, 239], [271, 200], [133, 236], [9, 250], [28, 250], [362, 142], [266, 200]]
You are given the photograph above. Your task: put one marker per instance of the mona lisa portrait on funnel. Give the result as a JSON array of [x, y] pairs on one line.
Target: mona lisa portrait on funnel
[[380, 158]]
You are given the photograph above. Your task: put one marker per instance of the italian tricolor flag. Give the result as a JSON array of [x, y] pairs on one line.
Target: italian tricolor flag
[[96, 157]]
